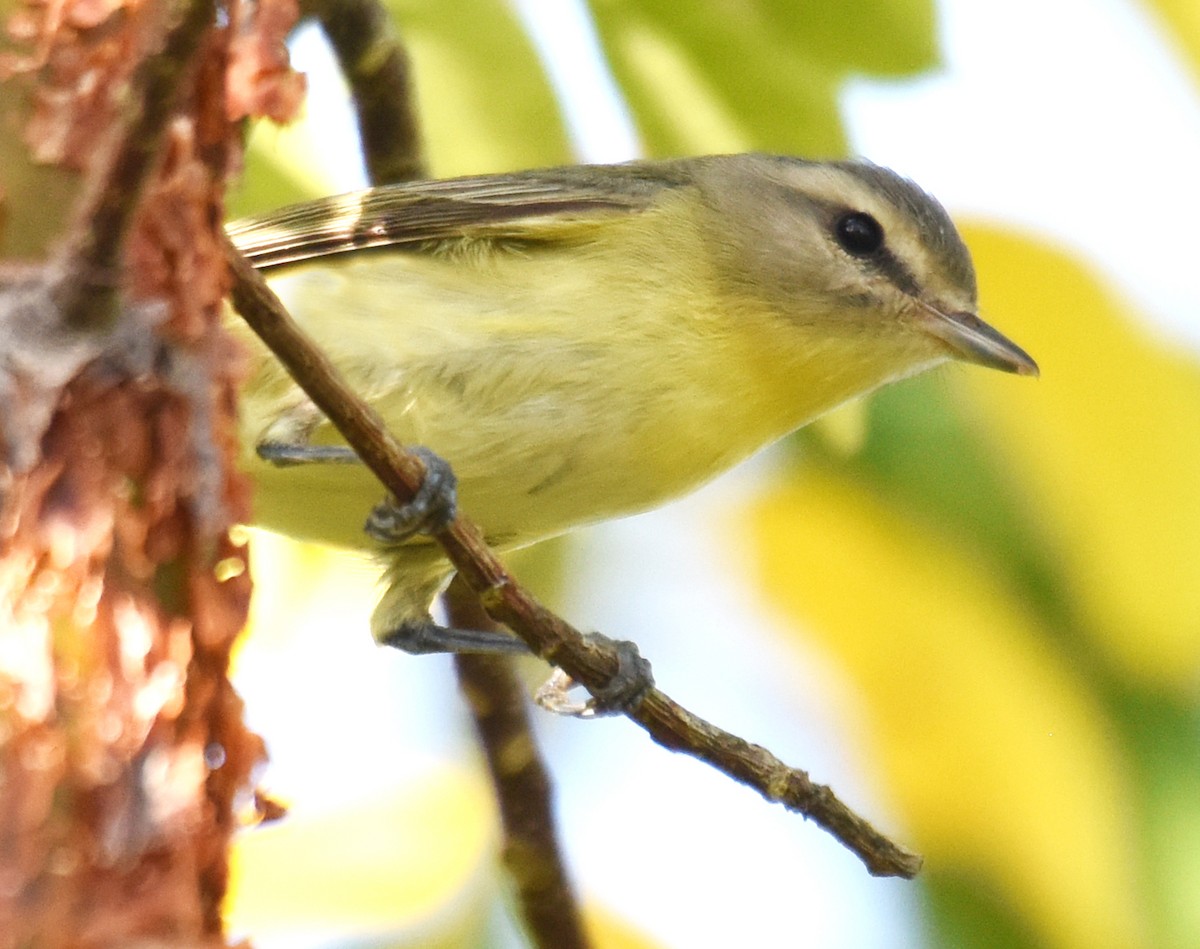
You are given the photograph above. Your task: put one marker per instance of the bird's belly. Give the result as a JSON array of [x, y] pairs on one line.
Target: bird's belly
[[550, 420], [522, 476], [322, 503], [568, 478]]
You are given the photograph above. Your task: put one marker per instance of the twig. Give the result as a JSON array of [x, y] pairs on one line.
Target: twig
[[87, 294], [550, 637], [377, 68], [532, 854]]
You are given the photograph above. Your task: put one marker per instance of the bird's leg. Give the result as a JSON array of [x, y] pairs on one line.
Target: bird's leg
[[432, 508], [420, 637], [282, 455], [286, 440], [286, 443], [623, 692]]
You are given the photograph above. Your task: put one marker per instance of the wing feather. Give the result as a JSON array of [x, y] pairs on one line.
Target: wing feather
[[417, 215]]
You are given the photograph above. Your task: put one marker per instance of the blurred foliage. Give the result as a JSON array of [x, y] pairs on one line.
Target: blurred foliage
[[485, 103], [1108, 487], [1003, 767], [1006, 570], [418, 855], [725, 75], [1181, 19]]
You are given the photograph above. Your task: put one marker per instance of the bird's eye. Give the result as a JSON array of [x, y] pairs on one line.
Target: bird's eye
[[858, 233]]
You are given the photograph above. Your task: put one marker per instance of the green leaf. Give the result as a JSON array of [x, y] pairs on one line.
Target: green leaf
[[717, 76], [483, 97], [871, 37]]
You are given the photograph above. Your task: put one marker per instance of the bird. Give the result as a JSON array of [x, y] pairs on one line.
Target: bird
[[586, 342]]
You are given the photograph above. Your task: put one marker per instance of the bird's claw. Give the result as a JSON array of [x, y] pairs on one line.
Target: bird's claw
[[431, 509]]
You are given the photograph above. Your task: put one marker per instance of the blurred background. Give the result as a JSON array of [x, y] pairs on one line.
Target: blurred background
[[971, 604]]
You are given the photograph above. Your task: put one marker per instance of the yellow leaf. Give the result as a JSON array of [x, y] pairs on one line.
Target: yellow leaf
[[418, 858], [844, 430], [1107, 444], [1183, 19], [609, 931], [997, 757]]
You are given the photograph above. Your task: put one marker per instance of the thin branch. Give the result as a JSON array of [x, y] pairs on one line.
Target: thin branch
[[586, 661], [531, 850], [87, 294], [376, 65]]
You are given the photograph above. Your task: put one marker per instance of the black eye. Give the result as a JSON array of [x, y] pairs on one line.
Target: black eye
[[858, 233]]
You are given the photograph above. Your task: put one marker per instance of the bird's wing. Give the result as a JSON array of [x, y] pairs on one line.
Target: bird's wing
[[419, 215]]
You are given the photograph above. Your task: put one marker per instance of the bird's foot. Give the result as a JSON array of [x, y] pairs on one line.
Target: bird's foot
[[432, 508]]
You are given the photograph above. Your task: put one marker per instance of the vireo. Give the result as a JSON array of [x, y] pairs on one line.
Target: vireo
[[585, 342]]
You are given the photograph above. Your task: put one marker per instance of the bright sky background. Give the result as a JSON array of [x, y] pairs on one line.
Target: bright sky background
[[1068, 117]]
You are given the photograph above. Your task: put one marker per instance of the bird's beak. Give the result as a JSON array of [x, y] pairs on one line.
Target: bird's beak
[[975, 341]]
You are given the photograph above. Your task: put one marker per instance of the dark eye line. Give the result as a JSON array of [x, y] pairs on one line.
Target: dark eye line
[[895, 270]]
